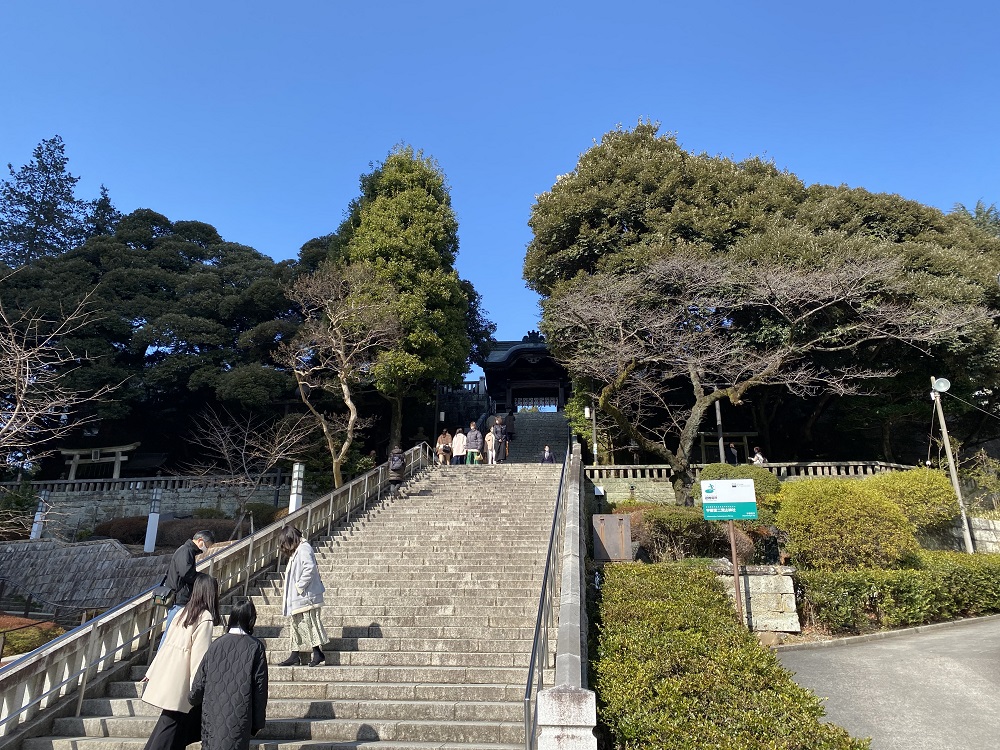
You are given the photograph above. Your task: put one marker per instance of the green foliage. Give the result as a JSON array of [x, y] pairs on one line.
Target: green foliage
[[127, 530], [28, 639], [263, 513], [178, 316], [637, 199], [924, 495], [941, 586], [676, 671], [39, 214], [673, 532], [209, 513], [403, 225], [843, 524]]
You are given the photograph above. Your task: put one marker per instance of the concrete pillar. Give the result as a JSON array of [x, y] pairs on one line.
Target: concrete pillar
[[566, 719], [295, 496]]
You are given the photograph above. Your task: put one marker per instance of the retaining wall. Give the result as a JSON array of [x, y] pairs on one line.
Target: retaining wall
[[96, 574]]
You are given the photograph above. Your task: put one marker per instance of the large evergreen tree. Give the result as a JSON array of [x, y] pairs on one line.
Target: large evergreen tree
[[39, 213], [179, 317], [404, 227], [638, 199]]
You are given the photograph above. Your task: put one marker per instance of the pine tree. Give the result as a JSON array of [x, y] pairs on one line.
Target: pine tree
[[39, 213]]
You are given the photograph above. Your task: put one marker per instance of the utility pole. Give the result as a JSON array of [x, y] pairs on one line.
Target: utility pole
[[939, 386]]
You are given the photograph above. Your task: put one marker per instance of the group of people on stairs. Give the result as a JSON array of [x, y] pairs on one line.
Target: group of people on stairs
[[216, 691]]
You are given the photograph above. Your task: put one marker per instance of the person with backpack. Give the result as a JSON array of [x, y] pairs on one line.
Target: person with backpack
[[397, 470]]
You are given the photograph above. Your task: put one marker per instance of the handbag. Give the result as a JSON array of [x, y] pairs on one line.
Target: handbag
[[163, 594]]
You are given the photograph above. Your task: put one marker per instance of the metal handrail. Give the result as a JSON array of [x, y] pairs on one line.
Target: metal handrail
[[545, 618], [66, 664], [30, 599]]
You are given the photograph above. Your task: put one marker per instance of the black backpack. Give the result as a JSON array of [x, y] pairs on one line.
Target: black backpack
[[396, 462]]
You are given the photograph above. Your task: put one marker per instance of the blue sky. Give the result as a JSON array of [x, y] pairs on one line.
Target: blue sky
[[258, 118]]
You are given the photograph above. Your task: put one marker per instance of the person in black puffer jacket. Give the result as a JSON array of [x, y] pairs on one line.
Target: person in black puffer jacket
[[231, 684]]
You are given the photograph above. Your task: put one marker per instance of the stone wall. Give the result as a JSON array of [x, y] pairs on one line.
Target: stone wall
[[87, 574], [768, 595], [73, 511], [646, 490], [985, 534]]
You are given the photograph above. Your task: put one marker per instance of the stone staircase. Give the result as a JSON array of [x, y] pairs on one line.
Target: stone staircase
[[535, 430], [431, 604]]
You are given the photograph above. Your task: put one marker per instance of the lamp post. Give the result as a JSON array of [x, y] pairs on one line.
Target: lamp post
[[152, 525], [38, 525], [939, 386], [590, 412], [295, 496]]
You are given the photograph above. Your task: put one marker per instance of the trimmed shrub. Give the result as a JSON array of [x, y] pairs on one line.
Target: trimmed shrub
[[673, 532], [128, 530], [941, 586], [843, 524], [675, 670], [925, 496], [764, 482], [208, 513], [174, 533]]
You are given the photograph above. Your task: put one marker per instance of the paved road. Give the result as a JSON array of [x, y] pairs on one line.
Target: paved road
[[933, 690]]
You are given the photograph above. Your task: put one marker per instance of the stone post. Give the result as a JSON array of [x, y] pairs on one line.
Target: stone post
[[566, 718]]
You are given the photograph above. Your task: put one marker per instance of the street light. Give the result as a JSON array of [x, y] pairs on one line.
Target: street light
[[939, 386], [591, 414], [153, 523], [38, 525]]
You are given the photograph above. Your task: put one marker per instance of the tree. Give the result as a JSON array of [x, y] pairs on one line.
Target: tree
[[348, 321], [39, 213], [638, 196], [660, 347], [984, 217], [101, 217], [403, 226], [244, 448], [185, 319], [37, 404]]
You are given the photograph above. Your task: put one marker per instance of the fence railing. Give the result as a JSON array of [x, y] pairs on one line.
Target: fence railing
[[539, 661], [783, 470], [145, 483], [67, 664]]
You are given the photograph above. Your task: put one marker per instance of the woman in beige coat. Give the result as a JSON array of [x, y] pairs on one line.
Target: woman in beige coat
[[170, 676]]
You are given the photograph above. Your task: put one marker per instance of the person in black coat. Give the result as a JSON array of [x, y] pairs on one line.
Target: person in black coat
[[547, 457], [231, 684]]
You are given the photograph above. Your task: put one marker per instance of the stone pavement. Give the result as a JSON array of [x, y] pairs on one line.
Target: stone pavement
[[931, 688]]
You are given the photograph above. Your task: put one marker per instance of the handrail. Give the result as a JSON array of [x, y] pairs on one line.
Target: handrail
[[168, 482], [66, 664], [545, 617], [31, 598]]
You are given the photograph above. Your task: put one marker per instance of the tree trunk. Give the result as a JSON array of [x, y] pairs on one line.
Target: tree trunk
[[396, 423], [887, 426]]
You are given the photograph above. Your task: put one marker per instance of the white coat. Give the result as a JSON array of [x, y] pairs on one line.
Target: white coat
[[172, 672], [303, 586]]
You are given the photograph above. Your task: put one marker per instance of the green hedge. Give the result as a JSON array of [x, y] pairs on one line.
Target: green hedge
[[941, 586], [834, 524], [676, 671]]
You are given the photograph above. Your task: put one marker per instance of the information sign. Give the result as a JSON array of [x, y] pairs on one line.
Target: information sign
[[728, 500]]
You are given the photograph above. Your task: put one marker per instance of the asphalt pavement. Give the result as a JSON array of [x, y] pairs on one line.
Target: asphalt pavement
[[933, 688]]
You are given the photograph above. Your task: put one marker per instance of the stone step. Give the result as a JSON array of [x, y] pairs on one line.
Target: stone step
[[379, 597], [139, 743], [301, 707], [389, 632], [279, 645], [438, 674], [341, 730], [416, 659], [366, 691]]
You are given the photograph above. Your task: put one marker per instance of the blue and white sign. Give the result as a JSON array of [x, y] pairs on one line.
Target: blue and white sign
[[728, 500]]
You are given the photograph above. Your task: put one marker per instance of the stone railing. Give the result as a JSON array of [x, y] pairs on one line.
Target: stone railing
[[39, 687], [785, 470], [140, 484]]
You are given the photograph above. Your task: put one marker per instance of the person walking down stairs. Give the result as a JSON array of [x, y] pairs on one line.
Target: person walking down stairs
[[303, 599]]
